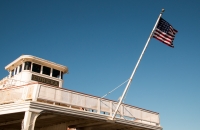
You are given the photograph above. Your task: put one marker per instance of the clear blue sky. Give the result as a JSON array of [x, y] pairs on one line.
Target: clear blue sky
[[101, 40]]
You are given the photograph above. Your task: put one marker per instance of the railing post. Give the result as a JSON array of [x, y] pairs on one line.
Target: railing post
[[141, 116], [122, 111], [98, 106], [111, 108], [54, 99], [35, 92], [158, 124], [24, 93]]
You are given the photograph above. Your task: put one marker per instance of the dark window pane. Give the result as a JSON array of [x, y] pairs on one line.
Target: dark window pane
[[12, 73], [20, 68], [46, 70], [56, 73], [27, 65], [61, 75], [36, 68], [15, 70]]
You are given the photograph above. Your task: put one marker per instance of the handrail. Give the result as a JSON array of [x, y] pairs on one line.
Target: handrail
[[72, 98], [64, 89], [37, 92], [7, 82]]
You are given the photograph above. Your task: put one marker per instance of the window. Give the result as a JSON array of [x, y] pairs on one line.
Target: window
[[16, 70], [12, 73], [46, 70], [20, 68], [56, 73], [61, 75], [36, 68], [27, 65]]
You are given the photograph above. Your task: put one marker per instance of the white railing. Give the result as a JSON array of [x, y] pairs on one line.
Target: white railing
[[17, 94], [3, 82], [9, 82], [96, 104], [38, 92]]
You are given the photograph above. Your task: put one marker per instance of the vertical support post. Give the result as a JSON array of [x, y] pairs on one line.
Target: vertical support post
[[41, 69], [17, 69], [129, 82], [51, 71], [22, 65], [29, 120], [31, 66]]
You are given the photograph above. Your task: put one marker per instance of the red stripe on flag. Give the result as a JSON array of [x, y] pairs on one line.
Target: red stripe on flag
[[165, 42], [163, 36]]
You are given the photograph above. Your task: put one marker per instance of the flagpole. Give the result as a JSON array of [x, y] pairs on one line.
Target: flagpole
[[128, 84]]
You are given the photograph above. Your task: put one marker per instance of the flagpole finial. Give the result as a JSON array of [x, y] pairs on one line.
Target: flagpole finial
[[163, 10]]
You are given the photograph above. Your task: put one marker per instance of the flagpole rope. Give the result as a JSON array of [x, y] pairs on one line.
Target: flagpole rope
[[111, 92], [115, 89]]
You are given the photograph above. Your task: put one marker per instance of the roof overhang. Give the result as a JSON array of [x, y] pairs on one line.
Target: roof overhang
[[35, 59]]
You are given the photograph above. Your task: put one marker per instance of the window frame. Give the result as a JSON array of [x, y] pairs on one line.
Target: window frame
[[61, 76], [36, 67], [20, 68], [55, 71], [12, 73], [27, 66], [16, 70], [45, 68]]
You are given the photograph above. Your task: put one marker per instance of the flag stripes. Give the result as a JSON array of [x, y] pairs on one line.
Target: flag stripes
[[165, 33]]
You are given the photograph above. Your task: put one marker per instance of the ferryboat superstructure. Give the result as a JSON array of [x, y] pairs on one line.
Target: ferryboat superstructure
[[27, 68], [32, 97]]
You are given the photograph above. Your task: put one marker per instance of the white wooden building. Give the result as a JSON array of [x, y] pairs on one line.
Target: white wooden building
[[32, 97]]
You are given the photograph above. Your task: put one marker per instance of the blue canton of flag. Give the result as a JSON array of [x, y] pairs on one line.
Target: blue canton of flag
[[165, 33]]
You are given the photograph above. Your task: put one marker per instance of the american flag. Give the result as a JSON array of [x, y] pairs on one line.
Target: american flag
[[165, 33]]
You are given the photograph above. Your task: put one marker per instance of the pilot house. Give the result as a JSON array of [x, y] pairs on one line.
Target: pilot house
[[29, 68]]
